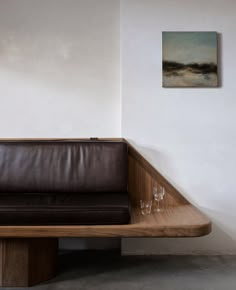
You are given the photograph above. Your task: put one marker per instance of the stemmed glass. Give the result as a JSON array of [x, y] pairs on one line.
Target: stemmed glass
[[158, 194]]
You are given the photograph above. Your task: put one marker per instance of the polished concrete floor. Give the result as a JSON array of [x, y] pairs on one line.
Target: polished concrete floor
[[102, 270]]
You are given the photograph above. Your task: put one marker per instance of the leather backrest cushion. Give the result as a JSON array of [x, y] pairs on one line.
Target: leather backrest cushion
[[63, 166]]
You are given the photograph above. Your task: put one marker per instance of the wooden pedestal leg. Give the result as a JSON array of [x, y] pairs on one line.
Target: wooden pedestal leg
[[27, 261]]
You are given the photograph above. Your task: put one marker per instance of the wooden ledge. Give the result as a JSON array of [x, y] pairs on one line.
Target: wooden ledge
[[181, 221]]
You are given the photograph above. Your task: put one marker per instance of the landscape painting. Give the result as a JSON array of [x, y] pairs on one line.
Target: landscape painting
[[189, 59]]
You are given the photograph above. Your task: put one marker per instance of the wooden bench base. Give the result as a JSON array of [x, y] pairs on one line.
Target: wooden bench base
[[26, 262]]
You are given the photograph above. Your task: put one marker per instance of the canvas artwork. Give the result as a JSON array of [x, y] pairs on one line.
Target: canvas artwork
[[189, 59]]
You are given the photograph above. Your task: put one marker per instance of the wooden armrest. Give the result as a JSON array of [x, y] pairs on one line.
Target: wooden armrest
[[179, 218]]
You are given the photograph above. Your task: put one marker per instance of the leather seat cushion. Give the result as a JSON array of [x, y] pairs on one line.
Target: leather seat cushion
[[64, 209]]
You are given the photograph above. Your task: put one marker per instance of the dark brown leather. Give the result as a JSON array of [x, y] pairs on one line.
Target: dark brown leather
[[64, 209], [63, 182], [67, 166]]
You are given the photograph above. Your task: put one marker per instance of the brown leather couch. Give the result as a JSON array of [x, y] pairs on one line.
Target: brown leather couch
[[63, 183]]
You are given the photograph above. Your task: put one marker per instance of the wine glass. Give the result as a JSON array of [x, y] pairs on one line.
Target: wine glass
[[158, 193]]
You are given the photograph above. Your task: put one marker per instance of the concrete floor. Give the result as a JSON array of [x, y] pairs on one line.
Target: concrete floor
[[102, 270]]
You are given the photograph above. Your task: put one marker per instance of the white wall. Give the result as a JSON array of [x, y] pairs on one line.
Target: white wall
[[59, 68], [188, 134]]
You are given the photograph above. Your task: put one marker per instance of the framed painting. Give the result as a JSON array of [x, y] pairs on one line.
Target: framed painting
[[189, 59]]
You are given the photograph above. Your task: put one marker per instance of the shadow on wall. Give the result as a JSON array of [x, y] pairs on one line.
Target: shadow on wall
[[219, 58], [220, 241]]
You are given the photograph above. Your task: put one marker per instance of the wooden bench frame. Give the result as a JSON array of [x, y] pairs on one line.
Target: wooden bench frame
[[28, 253]]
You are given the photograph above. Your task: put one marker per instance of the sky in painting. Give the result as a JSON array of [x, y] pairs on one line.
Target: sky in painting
[[189, 47]]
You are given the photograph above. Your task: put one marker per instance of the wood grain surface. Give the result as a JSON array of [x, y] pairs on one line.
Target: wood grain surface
[[26, 262]]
